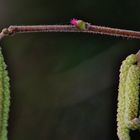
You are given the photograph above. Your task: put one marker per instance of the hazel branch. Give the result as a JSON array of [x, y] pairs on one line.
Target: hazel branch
[[76, 26]]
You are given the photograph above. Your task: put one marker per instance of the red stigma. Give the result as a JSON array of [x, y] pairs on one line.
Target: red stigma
[[73, 21]]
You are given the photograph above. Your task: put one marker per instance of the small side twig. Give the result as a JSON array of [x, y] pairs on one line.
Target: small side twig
[[78, 26]]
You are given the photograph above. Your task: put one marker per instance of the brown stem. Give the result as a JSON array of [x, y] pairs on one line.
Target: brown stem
[[70, 28], [114, 32]]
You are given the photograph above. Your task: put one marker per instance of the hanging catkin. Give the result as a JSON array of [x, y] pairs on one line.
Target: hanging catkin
[[128, 98], [4, 98]]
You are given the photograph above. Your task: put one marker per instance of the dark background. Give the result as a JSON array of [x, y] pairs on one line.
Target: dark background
[[64, 85]]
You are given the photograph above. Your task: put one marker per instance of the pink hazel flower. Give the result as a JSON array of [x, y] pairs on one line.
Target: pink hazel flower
[[73, 21]]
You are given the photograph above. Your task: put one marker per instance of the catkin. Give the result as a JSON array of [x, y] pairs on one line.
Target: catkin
[[132, 98], [4, 98], [122, 128]]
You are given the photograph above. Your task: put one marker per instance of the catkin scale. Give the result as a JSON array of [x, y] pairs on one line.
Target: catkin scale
[[4, 98], [128, 104]]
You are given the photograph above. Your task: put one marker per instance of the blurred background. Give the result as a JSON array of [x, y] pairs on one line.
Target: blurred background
[[64, 85]]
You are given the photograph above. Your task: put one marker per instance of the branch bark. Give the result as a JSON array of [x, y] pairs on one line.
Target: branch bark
[[70, 28]]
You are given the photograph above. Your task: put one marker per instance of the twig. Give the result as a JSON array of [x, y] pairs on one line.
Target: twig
[[88, 28]]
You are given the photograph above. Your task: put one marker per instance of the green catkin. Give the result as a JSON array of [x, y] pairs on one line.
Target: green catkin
[[4, 98], [132, 97], [122, 129]]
